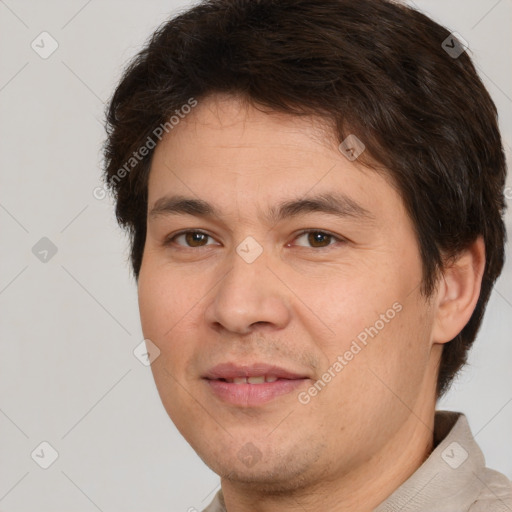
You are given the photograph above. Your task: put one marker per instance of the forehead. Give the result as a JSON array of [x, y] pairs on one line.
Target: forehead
[[230, 125], [227, 151]]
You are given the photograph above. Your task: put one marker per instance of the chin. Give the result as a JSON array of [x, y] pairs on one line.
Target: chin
[[272, 472], [268, 480]]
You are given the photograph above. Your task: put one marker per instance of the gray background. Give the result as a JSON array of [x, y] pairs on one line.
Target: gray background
[[69, 325]]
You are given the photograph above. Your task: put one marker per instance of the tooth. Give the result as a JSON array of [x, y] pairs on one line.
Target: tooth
[[256, 380], [270, 378], [240, 380]]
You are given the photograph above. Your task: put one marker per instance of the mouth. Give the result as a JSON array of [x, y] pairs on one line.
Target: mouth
[[250, 385], [250, 380]]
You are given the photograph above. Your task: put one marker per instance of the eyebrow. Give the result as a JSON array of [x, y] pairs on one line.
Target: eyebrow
[[337, 204]]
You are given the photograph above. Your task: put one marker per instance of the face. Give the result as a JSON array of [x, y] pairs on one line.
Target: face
[[281, 283]]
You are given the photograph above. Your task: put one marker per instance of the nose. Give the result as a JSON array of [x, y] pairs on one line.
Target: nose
[[249, 295]]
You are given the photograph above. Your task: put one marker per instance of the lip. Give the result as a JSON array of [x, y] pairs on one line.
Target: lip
[[234, 371], [250, 395]]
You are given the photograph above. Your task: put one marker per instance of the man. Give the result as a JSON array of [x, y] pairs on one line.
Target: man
[[314, 193]]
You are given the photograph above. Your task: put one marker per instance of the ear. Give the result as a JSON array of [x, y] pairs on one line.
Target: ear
[[458, 292]]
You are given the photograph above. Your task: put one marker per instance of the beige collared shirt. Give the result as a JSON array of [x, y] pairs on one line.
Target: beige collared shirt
[[453, 478]]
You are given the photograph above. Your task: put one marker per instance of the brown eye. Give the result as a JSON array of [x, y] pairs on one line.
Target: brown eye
[[318, 239], [192, 239]]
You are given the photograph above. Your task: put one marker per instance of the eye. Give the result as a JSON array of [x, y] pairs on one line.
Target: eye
[[318, 239], [192, 239]]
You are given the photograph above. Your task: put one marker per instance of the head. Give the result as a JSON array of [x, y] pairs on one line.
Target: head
[[240, 125]]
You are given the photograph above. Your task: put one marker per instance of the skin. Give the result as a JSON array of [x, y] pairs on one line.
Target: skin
[[299, 305]]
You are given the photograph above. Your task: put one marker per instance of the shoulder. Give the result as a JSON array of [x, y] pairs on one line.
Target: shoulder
[[495, 494]]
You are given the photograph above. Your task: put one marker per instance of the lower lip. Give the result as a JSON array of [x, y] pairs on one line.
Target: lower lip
[[253, 394]]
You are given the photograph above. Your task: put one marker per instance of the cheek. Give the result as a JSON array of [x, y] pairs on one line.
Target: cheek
[[398, 357], [164, 298], [154, 300], [379, 382], [165, 313], [381, 331], [408, 344], [354, 306], [166, 308]]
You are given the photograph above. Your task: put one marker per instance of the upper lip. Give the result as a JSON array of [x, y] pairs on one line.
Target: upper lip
[[234, 371]]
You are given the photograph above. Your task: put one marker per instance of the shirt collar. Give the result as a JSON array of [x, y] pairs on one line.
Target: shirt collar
[[448, 479]]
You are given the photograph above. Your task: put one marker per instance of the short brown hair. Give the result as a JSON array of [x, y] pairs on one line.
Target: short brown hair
[[372, 67]]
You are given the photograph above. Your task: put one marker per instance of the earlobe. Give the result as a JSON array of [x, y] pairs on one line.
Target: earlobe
[[458, 292]]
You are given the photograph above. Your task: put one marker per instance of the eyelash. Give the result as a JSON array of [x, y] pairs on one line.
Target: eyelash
[[170, 240]]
